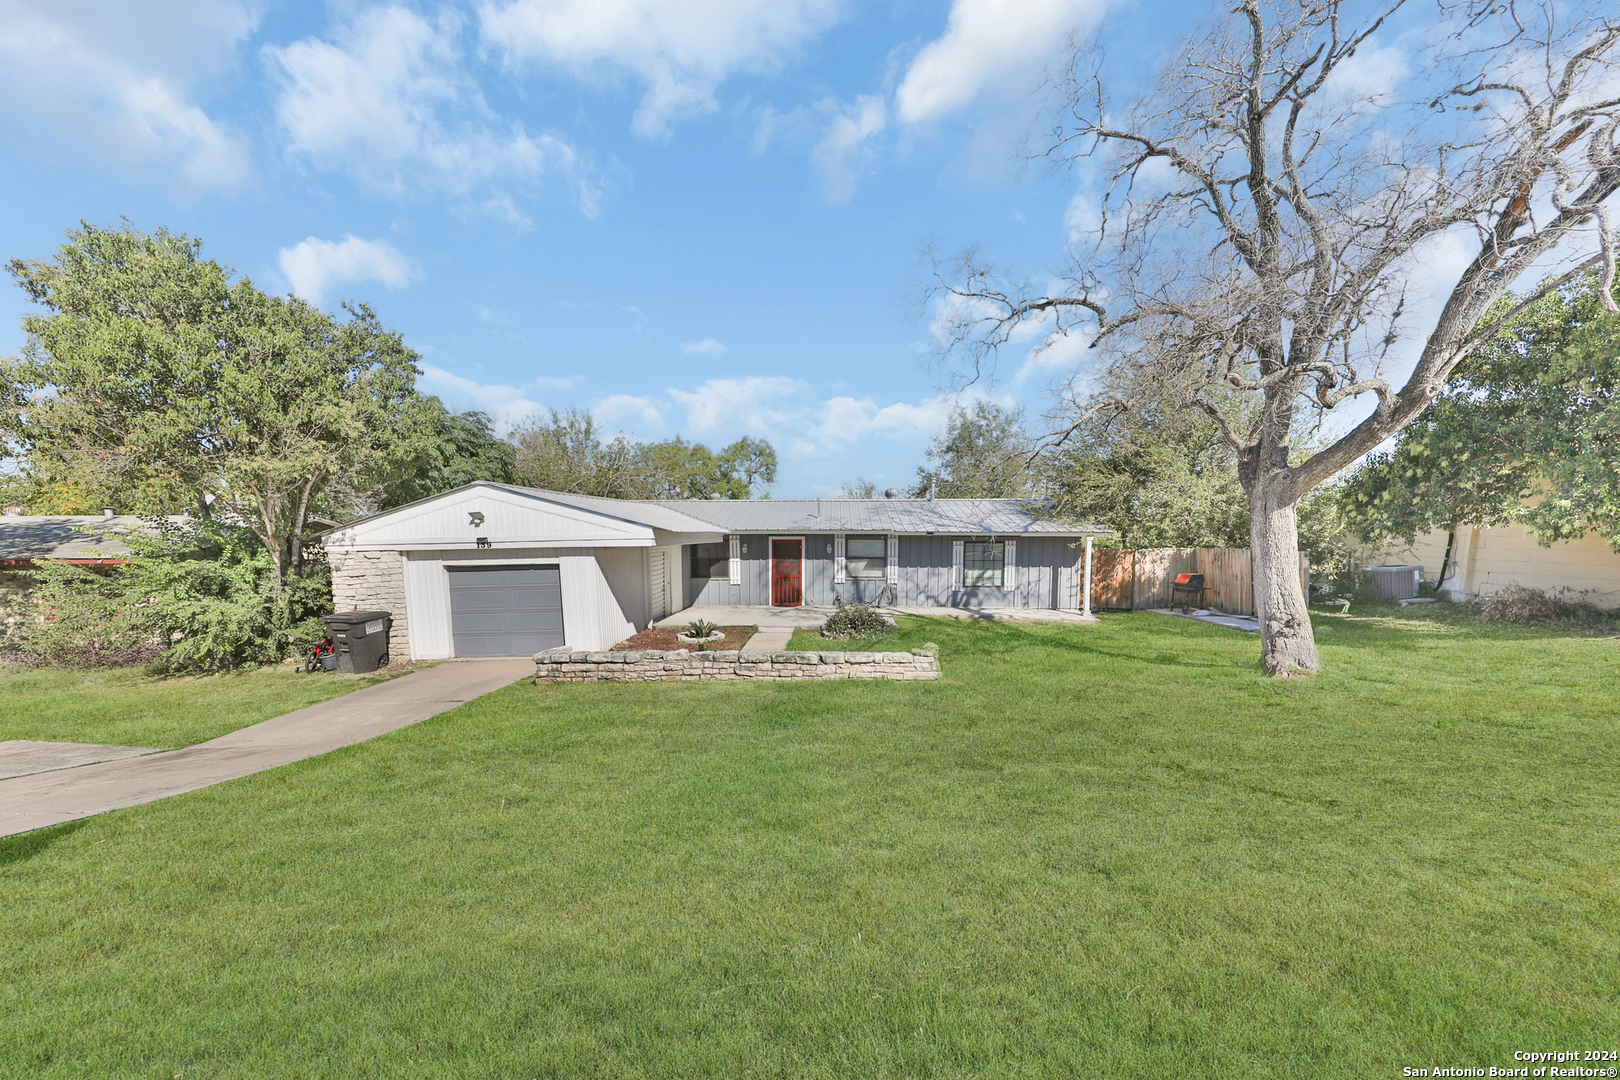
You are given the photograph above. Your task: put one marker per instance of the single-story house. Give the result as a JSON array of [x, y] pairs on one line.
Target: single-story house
[[1485, 560], [80, 539], [498, 570]]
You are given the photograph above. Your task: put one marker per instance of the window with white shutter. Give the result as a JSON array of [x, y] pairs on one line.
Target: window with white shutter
[[736, 562], [839, 575], [984, 563], [956, 564], [864, 557], [891, 566]]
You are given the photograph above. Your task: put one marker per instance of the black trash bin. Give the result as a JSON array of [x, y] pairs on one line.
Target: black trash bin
[[360, 639]]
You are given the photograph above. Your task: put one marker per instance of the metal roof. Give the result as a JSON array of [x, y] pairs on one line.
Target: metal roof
[[1003, 517], [654, 515], [60, 537], [973, 516]]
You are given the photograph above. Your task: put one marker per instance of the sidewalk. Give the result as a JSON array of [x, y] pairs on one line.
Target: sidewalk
[[67, 794]]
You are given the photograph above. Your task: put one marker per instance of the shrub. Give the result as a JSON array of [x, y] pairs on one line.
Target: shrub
[[1519, 604], [194, 598], [87, 619], [855, 621]]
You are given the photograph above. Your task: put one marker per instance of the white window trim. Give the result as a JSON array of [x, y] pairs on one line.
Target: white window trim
[[840, 569], [956, 563], [1009, 564], [736, 561], [1007, 551], [891, 565]]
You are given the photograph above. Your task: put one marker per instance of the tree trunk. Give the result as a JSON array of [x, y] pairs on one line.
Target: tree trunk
[[1287, 645]]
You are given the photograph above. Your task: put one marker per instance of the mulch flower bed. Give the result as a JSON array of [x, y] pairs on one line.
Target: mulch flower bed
[[664, 638]]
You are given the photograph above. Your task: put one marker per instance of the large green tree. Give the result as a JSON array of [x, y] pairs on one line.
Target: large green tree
[[458, 448], [1158, 473], [984, 452], [151, 371], [1527, 430], [1138, 456], [570, 451]]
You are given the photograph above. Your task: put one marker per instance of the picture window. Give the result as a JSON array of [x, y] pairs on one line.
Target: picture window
[[710, 561], [865, 556], [984, 564]]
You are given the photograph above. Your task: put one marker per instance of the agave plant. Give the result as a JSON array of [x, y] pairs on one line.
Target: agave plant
[[700, 629]]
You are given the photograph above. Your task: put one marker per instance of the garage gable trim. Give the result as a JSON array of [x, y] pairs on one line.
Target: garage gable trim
[[488, 516]]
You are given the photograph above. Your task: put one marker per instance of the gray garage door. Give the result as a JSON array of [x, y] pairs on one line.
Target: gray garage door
[[505, 611]]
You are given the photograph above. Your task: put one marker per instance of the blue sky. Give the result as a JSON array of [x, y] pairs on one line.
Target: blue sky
[[701, 218]]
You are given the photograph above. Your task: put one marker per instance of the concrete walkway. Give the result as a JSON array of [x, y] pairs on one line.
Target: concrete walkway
[[1247, 623], [24, 757], [67, 794], [768, 641]]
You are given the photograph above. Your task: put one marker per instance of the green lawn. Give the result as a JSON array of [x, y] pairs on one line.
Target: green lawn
[[120, 707], [1087, 851]]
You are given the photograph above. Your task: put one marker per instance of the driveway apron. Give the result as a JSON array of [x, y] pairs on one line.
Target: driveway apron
[[51, 798]]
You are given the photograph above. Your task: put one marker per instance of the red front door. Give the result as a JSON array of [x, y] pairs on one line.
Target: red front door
[[787, 575]]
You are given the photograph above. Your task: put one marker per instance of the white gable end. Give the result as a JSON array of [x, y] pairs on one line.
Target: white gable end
[[510, 520]]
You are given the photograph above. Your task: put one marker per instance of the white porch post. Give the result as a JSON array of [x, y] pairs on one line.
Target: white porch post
[[1085, 601]]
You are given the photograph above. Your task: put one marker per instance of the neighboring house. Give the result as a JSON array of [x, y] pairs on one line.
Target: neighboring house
[[26, 539], [496, 570], [1484, 560]]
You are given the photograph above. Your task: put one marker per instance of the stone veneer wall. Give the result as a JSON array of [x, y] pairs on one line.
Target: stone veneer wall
[[563, 665], [373, 581]]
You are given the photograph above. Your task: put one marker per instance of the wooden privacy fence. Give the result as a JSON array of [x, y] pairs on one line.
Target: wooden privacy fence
[[1126, 579]]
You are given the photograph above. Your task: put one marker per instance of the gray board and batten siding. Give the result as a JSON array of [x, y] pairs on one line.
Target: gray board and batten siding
[[1046, 572], [974, 518]]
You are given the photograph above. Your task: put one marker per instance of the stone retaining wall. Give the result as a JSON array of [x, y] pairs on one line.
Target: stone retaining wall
[[563, 665]]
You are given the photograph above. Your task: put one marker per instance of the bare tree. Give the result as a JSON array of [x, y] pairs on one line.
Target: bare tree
[[1269, 204]]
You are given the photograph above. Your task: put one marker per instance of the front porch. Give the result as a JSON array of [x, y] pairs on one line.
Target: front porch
[[811, 616]]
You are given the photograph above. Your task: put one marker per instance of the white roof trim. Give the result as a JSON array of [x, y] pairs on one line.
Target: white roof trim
[[515, 518]]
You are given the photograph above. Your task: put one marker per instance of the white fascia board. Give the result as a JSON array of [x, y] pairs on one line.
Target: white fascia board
[[1006, 534], [460, 543], [664, 539], [511, 524]]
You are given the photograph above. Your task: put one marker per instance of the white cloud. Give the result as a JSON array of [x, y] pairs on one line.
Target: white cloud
[[387, 102], [988, 43], [1372, 74], [739, 403], [615, 409], [313, 266], [508, 405], [706, 347], [844, 146], [1083, 217], [119, 79], [680, 50], [502, 207], [847, 419], [1058, 351]]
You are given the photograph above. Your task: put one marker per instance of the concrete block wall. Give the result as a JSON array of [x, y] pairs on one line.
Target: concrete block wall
[[374, 580], [680, 665]]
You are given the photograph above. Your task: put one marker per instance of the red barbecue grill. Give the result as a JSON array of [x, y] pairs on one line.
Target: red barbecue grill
[[1189, 587]]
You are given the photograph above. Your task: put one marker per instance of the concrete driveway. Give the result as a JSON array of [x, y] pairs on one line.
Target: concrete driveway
[[67, 794]]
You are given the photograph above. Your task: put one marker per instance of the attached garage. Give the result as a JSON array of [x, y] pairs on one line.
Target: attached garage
[[505, 610], [495, 570]]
